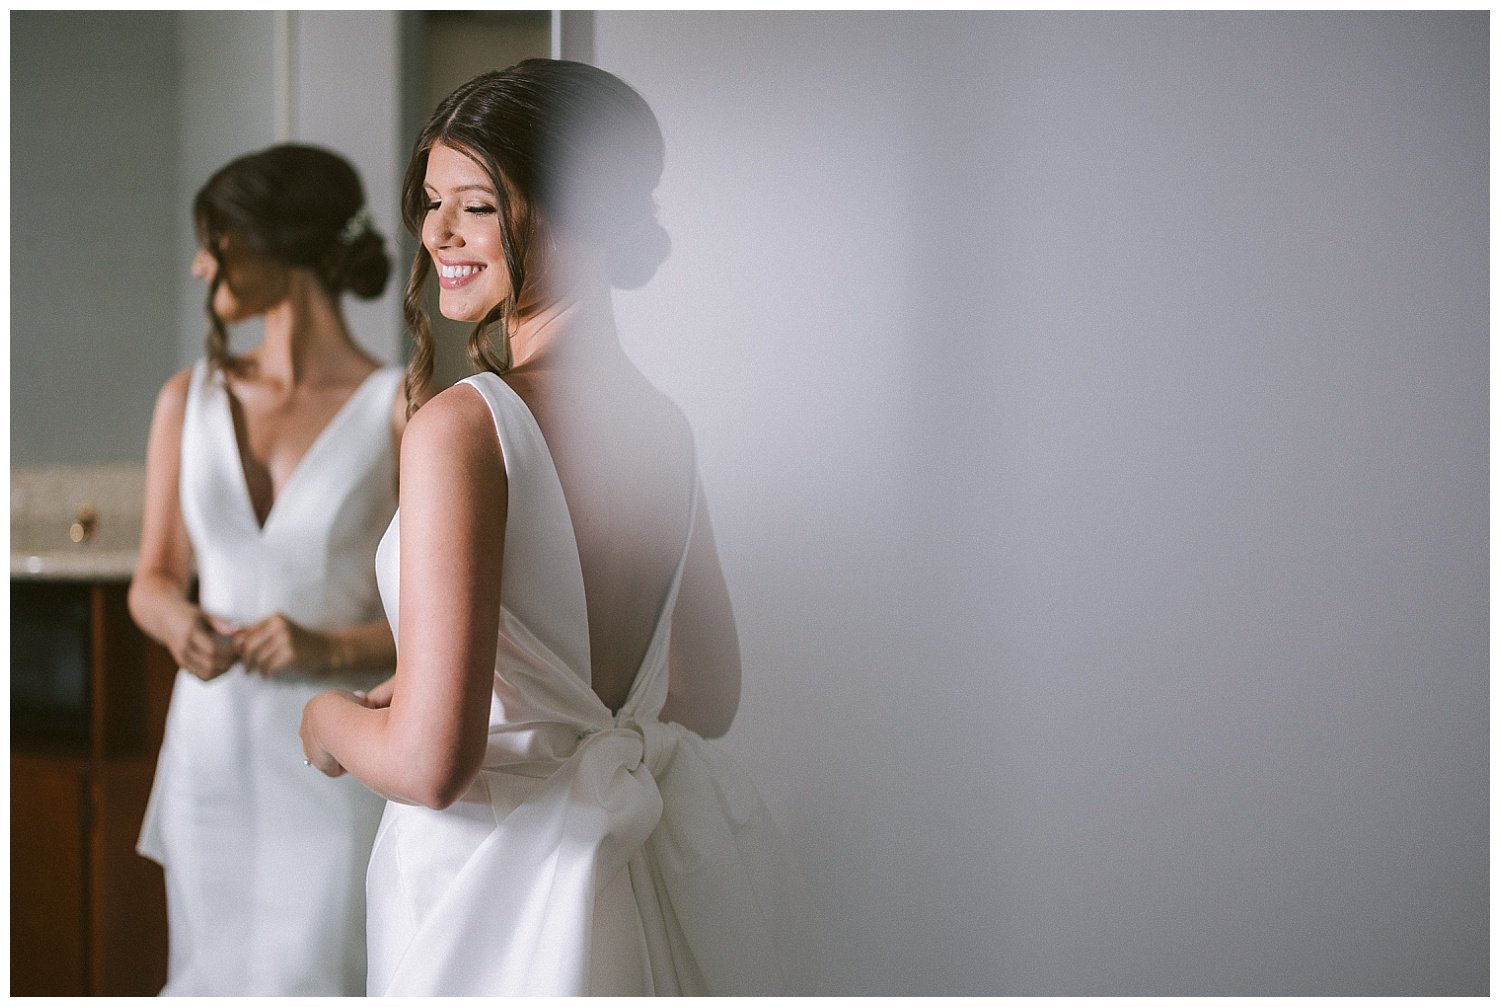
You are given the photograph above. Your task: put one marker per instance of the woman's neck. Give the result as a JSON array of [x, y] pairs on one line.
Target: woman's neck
[[574, 332], [306, 338]]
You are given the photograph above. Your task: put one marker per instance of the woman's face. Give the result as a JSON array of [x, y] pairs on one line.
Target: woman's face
[[461, 232], [253, 283]]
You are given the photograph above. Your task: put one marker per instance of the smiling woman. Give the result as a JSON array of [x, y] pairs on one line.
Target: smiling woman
[[558, 824], [273, 473]]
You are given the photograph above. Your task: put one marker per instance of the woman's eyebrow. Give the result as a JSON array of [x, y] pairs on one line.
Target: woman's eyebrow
[[474, 187]]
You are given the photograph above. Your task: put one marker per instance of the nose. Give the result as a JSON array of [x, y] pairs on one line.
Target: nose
[[203, 264], [439, 230]]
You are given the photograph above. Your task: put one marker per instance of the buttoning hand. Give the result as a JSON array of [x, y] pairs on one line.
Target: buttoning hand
[[276, 645], [204, 646]]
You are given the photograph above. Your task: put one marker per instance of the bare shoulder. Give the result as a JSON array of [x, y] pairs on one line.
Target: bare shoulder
[[173, 394], [453, 483], [171, 405], [455, 423]]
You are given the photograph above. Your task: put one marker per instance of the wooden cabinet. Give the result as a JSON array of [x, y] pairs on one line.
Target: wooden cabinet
[[89, 697]]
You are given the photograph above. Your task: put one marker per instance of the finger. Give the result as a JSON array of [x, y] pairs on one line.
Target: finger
[[380, 695], [250, 653], [261, 643], [197, 657], [257, 658], [223, 650], [279, 655], [223, 661], [276, 660], [249, 636], [330, 768], [202, 667], [223, 626]]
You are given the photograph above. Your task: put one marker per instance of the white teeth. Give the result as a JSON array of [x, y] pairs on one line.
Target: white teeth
[[457, 272]]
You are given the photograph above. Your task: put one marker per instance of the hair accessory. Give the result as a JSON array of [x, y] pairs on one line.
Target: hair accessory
[[357, 226]]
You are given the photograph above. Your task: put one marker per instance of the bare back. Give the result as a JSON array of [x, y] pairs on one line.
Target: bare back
[[624, 456]]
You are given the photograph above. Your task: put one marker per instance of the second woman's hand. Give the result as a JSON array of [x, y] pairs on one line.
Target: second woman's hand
[[276, 645], [202, 647]]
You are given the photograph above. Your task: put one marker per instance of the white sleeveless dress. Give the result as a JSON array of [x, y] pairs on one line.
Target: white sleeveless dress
[[595, 853], [264, 857]]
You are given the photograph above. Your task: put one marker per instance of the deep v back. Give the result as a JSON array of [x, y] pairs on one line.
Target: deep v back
[[544, 665], [624, 464]]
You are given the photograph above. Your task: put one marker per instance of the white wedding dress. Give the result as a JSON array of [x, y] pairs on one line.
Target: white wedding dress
[[595, 853], [264, 857]]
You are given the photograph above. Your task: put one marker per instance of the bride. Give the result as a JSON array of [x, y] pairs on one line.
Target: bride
[[557, 823]]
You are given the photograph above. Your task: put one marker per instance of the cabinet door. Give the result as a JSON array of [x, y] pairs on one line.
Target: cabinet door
[[48, 877], [128, 924]]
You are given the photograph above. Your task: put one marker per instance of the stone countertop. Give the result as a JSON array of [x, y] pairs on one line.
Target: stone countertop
[[46, 501]]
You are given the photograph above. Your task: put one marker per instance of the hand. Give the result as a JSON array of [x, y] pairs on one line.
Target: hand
[[312, 748], [379, 697], [276, 645], [204, 646]]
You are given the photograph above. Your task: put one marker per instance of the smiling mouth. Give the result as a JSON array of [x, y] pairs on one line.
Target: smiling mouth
[[453, 277]]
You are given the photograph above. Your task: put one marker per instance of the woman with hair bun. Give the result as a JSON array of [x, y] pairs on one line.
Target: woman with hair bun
[[558, 825], [273, 473]]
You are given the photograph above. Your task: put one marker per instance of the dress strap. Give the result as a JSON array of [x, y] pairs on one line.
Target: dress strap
[[542, 581]]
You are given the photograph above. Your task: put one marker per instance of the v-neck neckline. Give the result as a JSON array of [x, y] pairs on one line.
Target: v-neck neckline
[[673, 586], [239, 457]]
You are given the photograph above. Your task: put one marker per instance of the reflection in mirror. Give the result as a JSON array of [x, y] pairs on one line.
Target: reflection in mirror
[[270, 476]]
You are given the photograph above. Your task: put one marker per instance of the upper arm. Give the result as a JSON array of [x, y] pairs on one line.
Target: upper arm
[[703, 689], [452, 521], [165, 549]]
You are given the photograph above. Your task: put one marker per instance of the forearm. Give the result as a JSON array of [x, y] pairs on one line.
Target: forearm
[[158, 604], [372, 746], [366, 647]]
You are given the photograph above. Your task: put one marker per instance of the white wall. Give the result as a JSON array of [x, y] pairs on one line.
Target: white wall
[[1092, 409]]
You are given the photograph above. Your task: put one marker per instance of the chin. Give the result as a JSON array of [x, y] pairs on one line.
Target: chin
[[462, 312]]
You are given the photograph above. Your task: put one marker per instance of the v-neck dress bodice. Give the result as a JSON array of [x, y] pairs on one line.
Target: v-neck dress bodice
[[265, 858], [597, 852]]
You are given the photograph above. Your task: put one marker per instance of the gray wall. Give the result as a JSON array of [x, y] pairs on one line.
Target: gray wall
[[1093, 413], [117, 120], [94, 221], [227, 105]]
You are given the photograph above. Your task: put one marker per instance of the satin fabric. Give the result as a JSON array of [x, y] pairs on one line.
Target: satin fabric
[[595, 853], [264, 857]]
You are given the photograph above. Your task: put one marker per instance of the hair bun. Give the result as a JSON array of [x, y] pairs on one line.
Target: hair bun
[[361, 266]]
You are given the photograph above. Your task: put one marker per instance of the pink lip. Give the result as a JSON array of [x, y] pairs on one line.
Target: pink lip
[[455, 282]]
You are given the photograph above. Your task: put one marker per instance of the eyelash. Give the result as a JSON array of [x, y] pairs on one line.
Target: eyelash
[[478, 208]]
